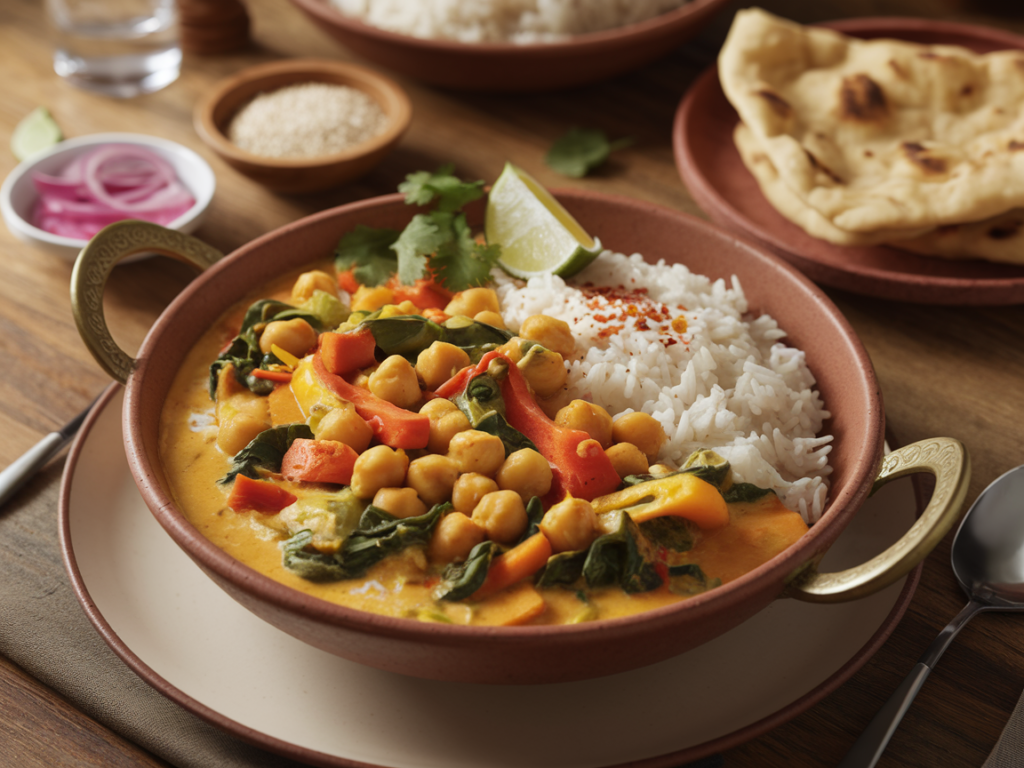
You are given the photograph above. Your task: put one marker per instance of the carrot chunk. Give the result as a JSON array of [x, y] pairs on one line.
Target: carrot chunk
[[523, 560], [345, 352], [259, 495], [319, 461]]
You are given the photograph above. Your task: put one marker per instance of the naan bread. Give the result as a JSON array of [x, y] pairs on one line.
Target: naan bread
[[1000, 238], [882, 134]]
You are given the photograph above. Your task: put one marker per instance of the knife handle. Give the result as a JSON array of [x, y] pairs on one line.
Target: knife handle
[[30, 462]]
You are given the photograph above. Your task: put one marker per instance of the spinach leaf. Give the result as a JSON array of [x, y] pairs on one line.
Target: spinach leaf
[[265, 451], [408, 335], [460, 580], [705, 464], [483, 405], [623, 557], [689, 579], [378, 536], [671, 532], [244, 351], [534, 514], [563, 570], [741, 492]]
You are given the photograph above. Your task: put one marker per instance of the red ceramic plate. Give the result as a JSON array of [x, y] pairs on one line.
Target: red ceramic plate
[[712, 170]]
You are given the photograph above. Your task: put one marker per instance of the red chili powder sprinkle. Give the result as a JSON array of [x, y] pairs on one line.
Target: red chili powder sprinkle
[[613, 305]]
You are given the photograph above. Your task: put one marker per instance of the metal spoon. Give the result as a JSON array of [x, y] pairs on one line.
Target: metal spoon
[[988, 561]]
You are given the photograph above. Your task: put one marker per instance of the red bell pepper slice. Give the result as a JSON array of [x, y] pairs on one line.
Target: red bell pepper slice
[[393, 426], [583, 471]]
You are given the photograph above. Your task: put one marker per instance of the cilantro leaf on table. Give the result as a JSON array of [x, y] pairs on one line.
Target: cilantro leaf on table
[[581, 150], [370, 252], [461, 262], [422, 187]]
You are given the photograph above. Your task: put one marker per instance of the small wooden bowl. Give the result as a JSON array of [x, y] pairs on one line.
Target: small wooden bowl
[[294, 175]]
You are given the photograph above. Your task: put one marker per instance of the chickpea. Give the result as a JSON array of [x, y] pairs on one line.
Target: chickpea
[[439, 362], [473, 301], [570, 525], [527, 473], [660, 469], [544, 370], [476, 451], [469, 489], [502, 515], [490, 318], [438, 407], [346, 426], [589, 418], [549, 332], [376, 468], [446, 421], [295, 336], [370, 299], [642, 430], [310, 282], [454, 536], [395, 381], [433, 477], [400, 502], [627, 459]]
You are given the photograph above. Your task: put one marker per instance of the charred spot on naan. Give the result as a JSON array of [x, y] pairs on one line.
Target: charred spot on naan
[[862, 100], [1015, 146], [779, 105], [1006, 229], [820, 166], [920, 157]]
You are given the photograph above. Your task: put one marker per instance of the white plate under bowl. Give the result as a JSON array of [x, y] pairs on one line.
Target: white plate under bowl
[[18, 194], [188, 639]]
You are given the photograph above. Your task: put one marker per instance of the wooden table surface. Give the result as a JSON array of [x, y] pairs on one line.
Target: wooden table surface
[[943, 370]]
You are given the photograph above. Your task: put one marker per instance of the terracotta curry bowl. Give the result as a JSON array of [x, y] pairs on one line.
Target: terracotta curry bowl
[[530, 654]]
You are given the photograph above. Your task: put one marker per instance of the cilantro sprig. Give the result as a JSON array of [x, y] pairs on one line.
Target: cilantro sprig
[[437, 244], [581, 150]]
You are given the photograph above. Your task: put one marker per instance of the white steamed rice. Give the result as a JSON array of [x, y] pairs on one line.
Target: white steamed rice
[[493, 21], [727, 382]]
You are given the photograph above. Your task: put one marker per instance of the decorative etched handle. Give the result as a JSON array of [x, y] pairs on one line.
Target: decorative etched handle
[[944, 457], [92, 269]]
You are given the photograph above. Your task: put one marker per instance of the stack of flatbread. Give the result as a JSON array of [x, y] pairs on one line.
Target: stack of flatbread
[[864, 142]]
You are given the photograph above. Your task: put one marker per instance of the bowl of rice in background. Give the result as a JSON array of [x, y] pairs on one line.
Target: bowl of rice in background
[[303, 125], [768, 373], [510, 45]]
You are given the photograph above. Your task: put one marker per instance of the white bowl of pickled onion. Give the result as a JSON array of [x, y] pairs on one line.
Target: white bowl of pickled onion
[[56, 200]]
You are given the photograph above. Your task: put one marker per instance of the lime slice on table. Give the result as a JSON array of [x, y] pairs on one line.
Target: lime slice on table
[[537, 235], [36, 131]]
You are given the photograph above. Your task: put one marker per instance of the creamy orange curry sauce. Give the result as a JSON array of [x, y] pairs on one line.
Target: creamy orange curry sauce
[[397, 450]]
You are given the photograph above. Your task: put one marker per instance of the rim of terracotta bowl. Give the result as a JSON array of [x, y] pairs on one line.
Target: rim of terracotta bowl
[[166, 345], [680, 16], [514, 67], [214, 112]]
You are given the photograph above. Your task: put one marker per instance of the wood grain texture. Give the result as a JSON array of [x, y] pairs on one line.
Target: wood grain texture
[[943, 370]]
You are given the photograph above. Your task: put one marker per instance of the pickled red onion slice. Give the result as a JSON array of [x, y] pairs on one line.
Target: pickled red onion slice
[[108, 184]]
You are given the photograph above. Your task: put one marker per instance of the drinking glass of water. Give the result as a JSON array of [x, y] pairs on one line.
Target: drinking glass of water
[[119, 48]]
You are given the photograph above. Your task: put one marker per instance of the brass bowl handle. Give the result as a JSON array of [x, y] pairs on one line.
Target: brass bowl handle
[[92, 269], [944, 457]]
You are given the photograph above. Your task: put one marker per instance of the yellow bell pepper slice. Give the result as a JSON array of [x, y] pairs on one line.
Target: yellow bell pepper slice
[[682, 495]]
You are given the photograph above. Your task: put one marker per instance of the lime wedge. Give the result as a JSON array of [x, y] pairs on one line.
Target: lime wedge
[[36, 131], [537, 235]]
